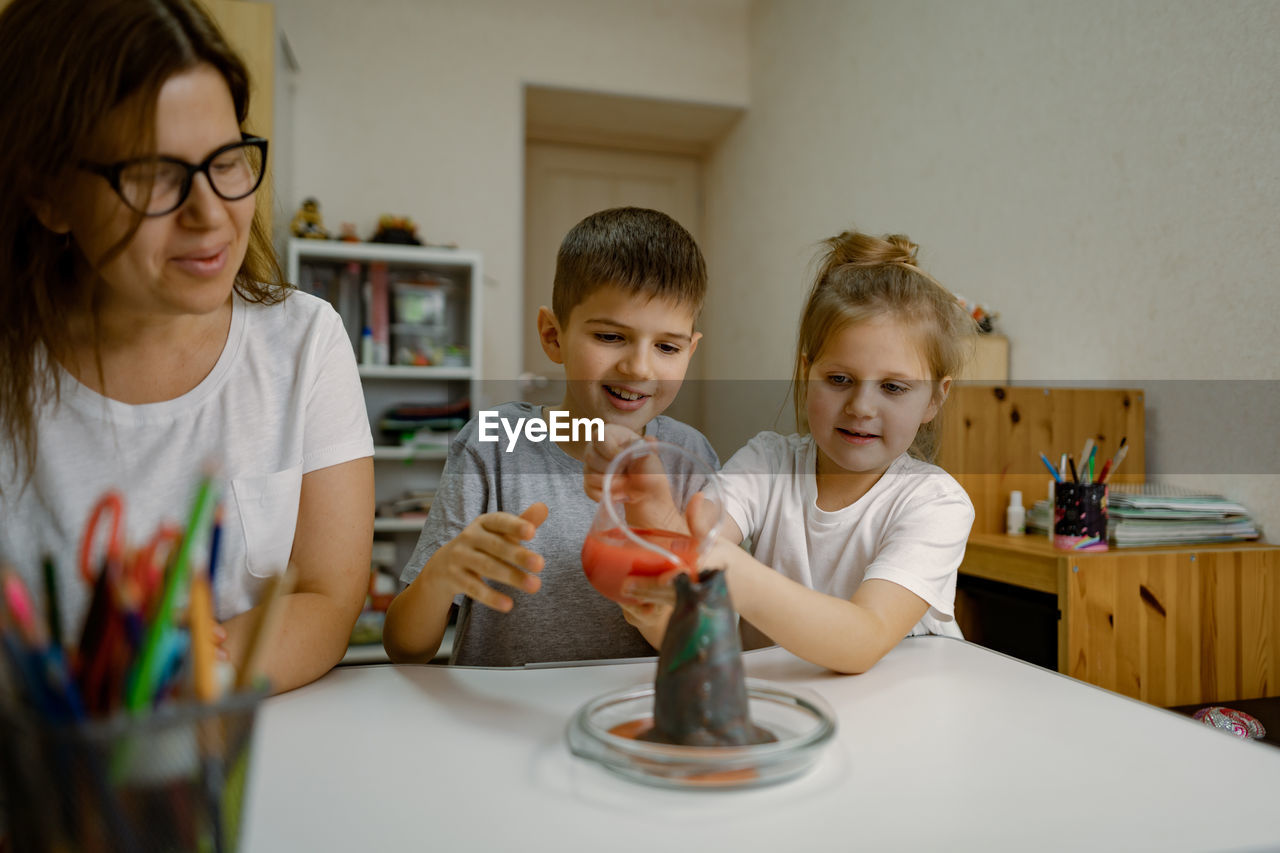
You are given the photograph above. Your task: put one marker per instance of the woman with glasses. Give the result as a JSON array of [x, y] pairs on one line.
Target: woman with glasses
[[146, 337]]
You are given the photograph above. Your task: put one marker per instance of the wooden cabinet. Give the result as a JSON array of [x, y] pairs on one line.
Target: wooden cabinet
[[992, 438], [989, 362], [1169, 626]]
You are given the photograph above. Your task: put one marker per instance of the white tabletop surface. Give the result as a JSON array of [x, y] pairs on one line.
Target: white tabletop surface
[[943, 745]]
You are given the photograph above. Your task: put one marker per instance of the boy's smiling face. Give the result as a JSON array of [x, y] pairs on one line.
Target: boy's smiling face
[[624, 355]]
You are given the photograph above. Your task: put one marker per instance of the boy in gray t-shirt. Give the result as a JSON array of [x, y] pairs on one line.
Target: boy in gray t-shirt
[[629, 285]]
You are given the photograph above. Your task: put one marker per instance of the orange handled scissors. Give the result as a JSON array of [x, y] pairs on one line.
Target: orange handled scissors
[[124, 588], [144, 571], [101, 625], [113, 503]]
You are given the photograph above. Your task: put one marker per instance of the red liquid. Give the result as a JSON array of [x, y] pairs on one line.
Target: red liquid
[[609, 558], [712, 778]]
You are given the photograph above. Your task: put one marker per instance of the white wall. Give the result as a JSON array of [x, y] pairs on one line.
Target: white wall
[[1105, 174], [414, 107]]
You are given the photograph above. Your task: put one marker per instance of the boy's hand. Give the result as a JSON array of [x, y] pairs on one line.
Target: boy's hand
[[489, 549]]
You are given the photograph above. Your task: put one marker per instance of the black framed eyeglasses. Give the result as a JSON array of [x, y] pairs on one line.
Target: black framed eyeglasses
[[154, 186]]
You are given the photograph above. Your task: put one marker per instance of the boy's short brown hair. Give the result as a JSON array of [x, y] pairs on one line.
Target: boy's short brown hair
[[642, 251]]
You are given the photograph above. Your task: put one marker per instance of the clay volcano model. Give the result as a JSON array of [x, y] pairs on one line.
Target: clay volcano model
[[700, 693]]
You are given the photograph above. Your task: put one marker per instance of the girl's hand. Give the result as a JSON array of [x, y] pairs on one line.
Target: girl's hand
[[220, 642], [642, 485], [600, 453]]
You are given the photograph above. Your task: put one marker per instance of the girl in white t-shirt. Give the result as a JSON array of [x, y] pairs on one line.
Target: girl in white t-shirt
[[856, 537]]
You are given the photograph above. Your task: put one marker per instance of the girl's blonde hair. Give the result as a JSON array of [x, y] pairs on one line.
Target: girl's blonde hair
[[862, 277]]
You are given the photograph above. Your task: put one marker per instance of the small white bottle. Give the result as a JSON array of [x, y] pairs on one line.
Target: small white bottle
[[1052, 507], [1015, 517], [367, 349]]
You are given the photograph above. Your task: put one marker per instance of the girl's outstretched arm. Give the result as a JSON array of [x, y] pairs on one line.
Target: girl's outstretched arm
[[848, 636]]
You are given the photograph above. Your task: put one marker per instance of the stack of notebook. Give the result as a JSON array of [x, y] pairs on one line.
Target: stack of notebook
[[1159, 514]]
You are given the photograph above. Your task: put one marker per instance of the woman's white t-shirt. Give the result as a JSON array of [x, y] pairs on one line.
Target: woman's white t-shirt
[[283, 399], [909, 528]]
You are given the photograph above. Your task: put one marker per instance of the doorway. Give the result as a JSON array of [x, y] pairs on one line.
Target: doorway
[[563, 184], [588, 151]]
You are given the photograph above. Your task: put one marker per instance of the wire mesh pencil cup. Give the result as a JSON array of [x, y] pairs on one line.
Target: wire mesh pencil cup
[[170, 780]]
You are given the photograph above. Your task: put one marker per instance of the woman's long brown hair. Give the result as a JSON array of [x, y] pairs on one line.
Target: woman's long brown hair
[[65, 66]]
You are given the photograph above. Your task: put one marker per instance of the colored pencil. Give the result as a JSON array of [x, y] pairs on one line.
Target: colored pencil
[[51, 678], [249, 667], [203, 648], [215, 547], [1053, 471], [1119, 457], [1084, 459], [51, 605], [145, 678]]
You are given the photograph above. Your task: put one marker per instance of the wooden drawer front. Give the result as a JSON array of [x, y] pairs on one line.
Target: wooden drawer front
[[1176, 627]]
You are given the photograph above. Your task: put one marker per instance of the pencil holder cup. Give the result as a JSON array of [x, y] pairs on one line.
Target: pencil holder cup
[[173, 779], [1080, 516]]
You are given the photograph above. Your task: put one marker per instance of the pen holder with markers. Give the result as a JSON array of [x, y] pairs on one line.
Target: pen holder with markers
[[1080, 516], [171, 779]]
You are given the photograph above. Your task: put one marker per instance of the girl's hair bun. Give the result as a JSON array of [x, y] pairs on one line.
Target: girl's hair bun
[[900, 250], [856, 249]]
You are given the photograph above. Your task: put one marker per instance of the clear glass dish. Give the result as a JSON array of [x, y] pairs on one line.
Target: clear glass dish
[[801, 721]]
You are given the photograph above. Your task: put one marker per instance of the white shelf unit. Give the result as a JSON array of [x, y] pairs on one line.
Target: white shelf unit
[[376, 654], [409, 454], [397, 525], [401, 371], [339, 271]]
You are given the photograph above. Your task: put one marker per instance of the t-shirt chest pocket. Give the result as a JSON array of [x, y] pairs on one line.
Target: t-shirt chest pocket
[[268, 510]]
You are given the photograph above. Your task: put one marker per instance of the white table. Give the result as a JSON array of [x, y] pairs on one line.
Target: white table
[[943, 745]]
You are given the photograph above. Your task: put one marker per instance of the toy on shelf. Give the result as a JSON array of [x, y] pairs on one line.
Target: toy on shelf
[[396, 229], [348, 234], [307, 222], [981, 314]]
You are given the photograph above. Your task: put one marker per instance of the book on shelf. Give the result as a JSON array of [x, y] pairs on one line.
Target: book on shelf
[[425, 425], [1164, 514], [1164, 501], [1040, 517], [1137, 533], [340, 287], [408, 505], [378, 312]]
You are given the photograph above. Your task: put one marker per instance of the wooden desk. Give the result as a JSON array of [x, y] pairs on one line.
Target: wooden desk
[[942, 744], [1170, 626]]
